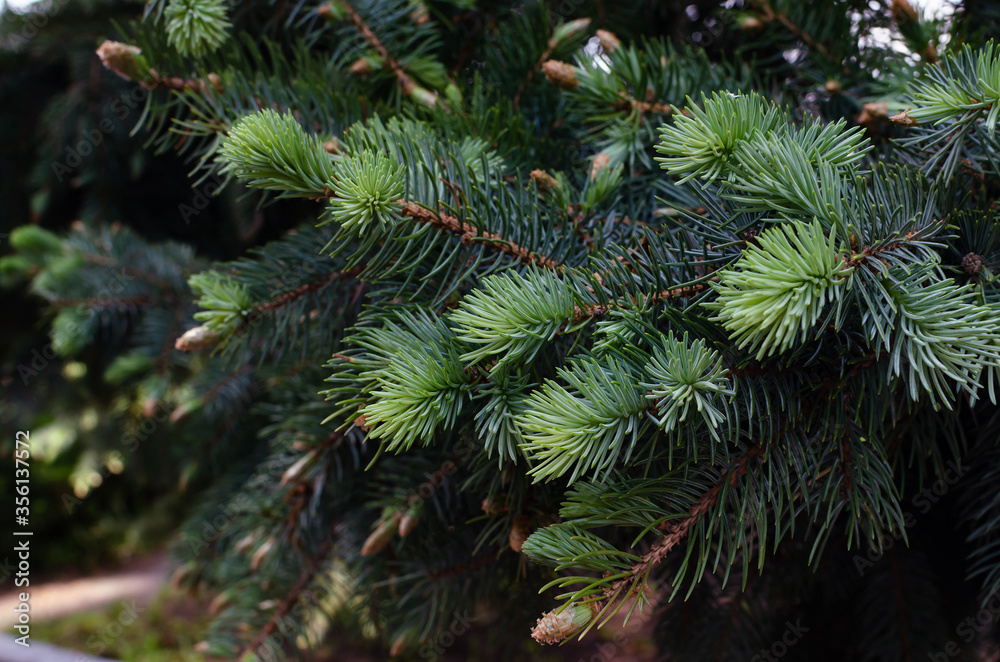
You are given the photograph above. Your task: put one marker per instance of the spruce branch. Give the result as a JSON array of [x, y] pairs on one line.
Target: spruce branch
[[413, 379], [686, 373], [964, 88], [404, 79], [512, 316], [701, 142], [676, 533], [625, 575], [197, 27], [302, 290], [943, 336], [271, 151], [781, 288], [584, 312], [594, 346], [128, 62], [366, 189], [224, 303], [589, 425]]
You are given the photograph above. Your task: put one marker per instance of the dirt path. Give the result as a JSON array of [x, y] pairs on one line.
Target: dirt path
[[139, 581]]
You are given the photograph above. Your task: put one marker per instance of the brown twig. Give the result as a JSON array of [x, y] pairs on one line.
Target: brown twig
[[873, 252], [599, 310], [679, 530], [405, 82], [470, 235], [292, 597], [643, 107], [302, 290], [805, 37]]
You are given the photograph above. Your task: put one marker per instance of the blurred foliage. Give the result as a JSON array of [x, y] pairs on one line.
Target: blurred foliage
[[70, 160]]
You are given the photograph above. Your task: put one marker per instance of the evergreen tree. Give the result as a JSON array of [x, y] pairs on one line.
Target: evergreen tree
[[591, 318], [68, 160]]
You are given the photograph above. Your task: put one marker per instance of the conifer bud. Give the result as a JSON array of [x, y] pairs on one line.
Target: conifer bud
[[408, 522], [972, 264], [380, 537], [181, 412], [258, 557], [293, 471], [400, 643], [220, 602], [244, 543], [544, 181], [37, 241], [560, 74], [494, 507], [200, 337], [149, 406], [420, 14], [423, 96], [904, 119], [750, 23], [601, 161], [609, 42], [332, 146], [554, 626], [125, 60], [181, 575], [211, 81], [519, 531], [367, 64], [750, 237], [833, 87], [568, 30], [362, 422]]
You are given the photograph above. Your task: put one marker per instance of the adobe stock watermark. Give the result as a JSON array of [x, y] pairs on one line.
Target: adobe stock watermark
[[923, 501], [128, 614], [791, 636], [213, 530], [75, 154], [968, 629], [461, 624], [202, 194], [436, 479], [286, 628]]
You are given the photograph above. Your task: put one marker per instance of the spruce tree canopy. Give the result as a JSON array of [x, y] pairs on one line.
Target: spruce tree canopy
[[591, 320]]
